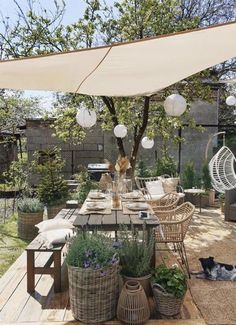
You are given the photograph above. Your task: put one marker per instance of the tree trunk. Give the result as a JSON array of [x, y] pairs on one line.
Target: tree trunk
[[139, 134], [111, 107]]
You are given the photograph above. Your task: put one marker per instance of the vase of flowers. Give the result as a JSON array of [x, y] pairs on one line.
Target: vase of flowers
[[93, 270], [119, 184]]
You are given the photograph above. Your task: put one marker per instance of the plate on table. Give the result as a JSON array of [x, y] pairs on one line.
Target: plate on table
[[96, 195], [137, 206], [95, 206], [131, 196]]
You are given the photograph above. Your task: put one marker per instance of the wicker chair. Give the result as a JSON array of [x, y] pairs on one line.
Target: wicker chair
[[168, 202], [141, 184], [173, 228]]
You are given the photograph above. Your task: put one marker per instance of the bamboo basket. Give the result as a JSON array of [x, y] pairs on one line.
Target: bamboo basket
[[26, 224], [166, 303], [133, 307], [93, 293]]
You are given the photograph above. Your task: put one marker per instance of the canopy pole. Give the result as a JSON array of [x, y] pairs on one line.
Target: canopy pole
[[210, 139]]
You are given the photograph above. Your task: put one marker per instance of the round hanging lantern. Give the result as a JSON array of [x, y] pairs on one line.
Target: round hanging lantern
[[231, 100], [147, 143], [86, 118], [175, 105], [120, 131]]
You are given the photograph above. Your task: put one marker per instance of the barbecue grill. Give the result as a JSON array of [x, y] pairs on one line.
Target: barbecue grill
[[96, 170]]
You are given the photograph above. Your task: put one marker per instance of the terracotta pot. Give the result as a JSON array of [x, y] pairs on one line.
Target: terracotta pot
[[144, 281]]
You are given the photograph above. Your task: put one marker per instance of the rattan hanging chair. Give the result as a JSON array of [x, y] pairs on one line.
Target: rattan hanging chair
[[222, 168]]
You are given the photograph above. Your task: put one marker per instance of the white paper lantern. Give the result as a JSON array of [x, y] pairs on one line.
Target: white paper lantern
[[147, 143], [120, 131], [86, 118], [231, 100], [175, 105]]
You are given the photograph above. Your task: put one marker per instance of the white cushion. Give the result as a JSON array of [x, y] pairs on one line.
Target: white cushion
[[155, 187], [53, 224], [59, 236], [170, 184]]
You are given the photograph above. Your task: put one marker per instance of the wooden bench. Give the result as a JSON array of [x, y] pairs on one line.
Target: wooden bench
[[54, 257]]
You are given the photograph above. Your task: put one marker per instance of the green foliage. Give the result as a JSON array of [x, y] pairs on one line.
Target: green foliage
[[189, 175], [27, 204], [221, 197], [135, 255], [206, 178], [52, 188], [94, 251], [17, 175], [171, 279], [165, 165], [142, 170], [73, 132], [85, 185], [14, 109]]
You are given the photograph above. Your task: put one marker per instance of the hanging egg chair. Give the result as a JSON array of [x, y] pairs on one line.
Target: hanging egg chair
[[221, 168]]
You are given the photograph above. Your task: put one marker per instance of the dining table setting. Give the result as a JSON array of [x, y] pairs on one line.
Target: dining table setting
[[100, 211]]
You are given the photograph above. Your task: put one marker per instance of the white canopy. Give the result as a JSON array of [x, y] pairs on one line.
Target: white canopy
[[129, 69]]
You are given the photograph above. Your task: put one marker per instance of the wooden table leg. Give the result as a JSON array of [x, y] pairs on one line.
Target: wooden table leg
[[30, 272], [57, 271]]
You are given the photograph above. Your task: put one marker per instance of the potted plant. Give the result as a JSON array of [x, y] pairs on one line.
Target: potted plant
[[135, 258], [169, 286], [93, 270], [30, 212], [206, 180], [52, 188]]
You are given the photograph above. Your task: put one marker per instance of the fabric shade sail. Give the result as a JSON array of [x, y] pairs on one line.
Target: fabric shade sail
[[125, 69]]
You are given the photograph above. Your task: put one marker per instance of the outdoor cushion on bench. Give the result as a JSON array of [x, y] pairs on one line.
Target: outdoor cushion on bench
[[56, 236], [53, 224]]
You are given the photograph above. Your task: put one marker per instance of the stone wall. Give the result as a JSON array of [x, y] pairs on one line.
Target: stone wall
[[100, 144]]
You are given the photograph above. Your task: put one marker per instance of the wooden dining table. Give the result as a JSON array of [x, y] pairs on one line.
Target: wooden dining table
[[112, 219]]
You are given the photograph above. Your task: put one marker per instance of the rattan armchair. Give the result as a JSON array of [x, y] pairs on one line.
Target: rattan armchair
[[168, 202], [173, 228]]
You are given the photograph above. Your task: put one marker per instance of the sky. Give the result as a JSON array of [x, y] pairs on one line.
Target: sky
[[74, 11]]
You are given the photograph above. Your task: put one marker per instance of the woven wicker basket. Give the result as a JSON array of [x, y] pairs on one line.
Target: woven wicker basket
[[93, 293], [26, 224], [52, 211], [133, 307], [166, 303]]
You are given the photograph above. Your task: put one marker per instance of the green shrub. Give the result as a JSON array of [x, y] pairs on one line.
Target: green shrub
[[135, 255], [94, 251], [52, 188], [142, 170], [85, 185], [172, 280], [206, 178], [30, 205], [165, 165], [189, 175]]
